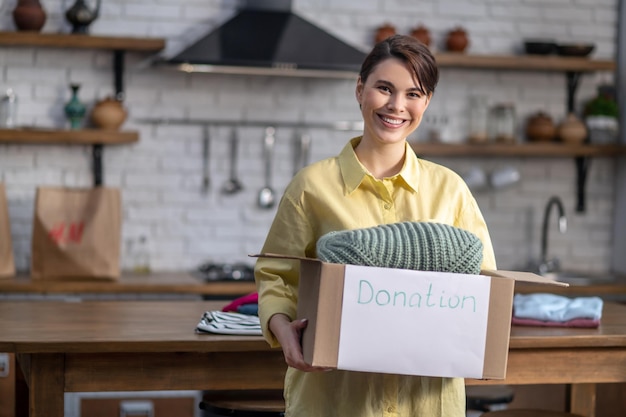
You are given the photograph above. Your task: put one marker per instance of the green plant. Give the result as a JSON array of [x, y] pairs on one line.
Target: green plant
[[601, 106]]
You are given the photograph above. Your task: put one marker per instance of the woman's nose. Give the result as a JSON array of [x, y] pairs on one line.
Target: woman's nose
[[395, 102]]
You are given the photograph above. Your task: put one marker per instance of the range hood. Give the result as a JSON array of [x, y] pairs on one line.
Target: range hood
[[266, 38]]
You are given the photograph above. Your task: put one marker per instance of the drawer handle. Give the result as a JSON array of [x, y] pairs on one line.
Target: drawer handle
[[136, 408]]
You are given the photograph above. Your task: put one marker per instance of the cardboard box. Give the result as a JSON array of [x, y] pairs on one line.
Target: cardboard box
[[407, 322]]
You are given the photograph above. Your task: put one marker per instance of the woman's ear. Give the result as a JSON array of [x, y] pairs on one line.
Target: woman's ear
[[359, 90]]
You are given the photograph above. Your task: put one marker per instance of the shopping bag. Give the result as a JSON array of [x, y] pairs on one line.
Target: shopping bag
[[76, 234], [7, 263]]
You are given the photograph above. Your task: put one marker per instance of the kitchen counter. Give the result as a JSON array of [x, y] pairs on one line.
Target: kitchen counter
[[161, 283]]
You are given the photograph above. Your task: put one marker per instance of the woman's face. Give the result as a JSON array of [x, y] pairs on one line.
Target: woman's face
[[391, 102]]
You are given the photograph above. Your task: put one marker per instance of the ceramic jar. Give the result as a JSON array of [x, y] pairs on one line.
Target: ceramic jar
[[108, 114], [422, 34], [540, 128], [572, 130], [384, 31], [457, 40], [29, 15]]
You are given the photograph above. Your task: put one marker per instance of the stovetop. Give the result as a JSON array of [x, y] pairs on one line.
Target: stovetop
[[237, 271]]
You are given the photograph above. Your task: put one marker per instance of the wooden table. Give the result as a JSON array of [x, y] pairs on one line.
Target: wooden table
[[151, 345]]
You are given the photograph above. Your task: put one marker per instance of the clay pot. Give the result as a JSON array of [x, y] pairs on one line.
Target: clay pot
[[572, 130], [108, 114], [540, 128], [28, 15], [422, 34], [384, 31], [457, 40]]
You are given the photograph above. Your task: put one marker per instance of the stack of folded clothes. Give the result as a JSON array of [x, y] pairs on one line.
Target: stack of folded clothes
[[550, 310], [240, 316]]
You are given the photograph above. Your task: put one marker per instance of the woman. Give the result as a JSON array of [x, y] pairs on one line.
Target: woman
[[376, 179]]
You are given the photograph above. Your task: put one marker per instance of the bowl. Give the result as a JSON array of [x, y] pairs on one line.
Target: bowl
[[539, 47], [574, 49]]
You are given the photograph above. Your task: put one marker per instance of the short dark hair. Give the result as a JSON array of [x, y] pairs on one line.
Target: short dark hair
[[409, 50]]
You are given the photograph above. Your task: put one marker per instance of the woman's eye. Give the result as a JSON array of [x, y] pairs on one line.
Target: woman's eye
[[415, 95], [384, 88]]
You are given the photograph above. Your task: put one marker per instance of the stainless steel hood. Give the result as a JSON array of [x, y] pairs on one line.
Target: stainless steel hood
[[265, 37]]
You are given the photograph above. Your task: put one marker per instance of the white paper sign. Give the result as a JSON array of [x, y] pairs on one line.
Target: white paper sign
[[413, 322]]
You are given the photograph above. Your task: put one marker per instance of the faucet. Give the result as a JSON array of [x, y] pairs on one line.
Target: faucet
[[546, 265]]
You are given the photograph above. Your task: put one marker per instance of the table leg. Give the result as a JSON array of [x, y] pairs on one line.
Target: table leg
[[582, 399], [46, 382]]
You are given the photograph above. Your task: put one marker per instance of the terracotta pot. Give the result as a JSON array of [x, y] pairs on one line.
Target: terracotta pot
[[384, 31], [540, 128], [457, 40], [422, 34], [28, 15], [572, 130], [108, 114]]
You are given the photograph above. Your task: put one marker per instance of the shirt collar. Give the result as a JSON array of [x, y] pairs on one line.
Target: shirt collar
[[353, 171]]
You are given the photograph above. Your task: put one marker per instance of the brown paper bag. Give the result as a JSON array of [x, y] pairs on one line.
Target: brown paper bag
[[7, 263], [76, 233]]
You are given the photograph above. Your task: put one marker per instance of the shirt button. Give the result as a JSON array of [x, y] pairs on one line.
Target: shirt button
[[391, 409], [387, 206]]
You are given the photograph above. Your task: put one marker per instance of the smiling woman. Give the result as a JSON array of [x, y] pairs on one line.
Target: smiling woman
[[376, 180]]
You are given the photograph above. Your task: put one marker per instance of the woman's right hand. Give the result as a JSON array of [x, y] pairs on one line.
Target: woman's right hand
[[289, 334]]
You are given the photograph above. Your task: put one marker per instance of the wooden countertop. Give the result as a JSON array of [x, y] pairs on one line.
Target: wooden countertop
[[129, 283]]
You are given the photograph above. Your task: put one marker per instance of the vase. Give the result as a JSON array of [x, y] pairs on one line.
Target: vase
[[108, 114], [29, 15], [75, 109], [457, 40], [572, 130], [422, 34], [540, 128], [383, 32], [80, 16]]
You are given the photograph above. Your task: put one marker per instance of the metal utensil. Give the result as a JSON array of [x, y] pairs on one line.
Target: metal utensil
[[206, 174], [267, 197], [232, 184], [302, 144]]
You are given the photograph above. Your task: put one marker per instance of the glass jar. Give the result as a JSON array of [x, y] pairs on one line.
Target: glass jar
[[502, 123], [478, 116]]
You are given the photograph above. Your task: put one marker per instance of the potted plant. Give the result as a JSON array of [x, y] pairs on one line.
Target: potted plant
[[601, 116]]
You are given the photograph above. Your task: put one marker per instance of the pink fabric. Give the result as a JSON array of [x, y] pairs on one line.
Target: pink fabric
[[587, 323], [252, 298]]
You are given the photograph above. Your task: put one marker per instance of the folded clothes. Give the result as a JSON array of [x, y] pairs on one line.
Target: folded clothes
[[252, 298], [229, 323], [556, 308], [586, 323], [252, 309]]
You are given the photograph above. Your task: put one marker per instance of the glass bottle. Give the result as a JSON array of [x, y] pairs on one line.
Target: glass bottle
[[8, 109]]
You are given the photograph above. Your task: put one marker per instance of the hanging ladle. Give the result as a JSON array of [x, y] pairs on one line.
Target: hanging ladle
[[232, 184], [267, 197]]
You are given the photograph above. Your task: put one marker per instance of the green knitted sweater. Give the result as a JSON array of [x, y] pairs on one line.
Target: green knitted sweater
[[423, 246]]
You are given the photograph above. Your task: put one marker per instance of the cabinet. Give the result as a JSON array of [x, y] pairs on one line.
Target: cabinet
[[97, 138]]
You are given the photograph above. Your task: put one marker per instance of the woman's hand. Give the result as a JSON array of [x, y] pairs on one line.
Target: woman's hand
[[289, 334]]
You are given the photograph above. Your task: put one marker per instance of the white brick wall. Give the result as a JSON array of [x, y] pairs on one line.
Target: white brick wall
[[161, 175]]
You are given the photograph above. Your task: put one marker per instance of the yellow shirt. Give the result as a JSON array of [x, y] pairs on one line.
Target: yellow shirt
[[337, 194]]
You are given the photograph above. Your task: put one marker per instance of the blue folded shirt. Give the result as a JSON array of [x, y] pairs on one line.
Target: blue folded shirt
[[552, 307]]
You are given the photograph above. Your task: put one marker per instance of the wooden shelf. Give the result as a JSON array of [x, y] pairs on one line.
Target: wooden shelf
[[70, 137], [62, 40], [526, 149], [524, 62]]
